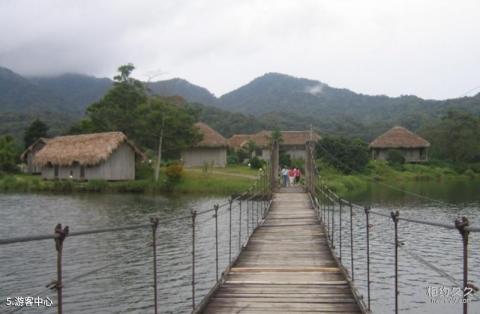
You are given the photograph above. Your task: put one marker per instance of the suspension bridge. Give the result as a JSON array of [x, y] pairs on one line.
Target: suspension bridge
[[286, 250], [286, 266]]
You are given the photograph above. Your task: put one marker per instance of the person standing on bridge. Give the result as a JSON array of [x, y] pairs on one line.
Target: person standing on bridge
[[284, 173], [298, 173], [291, 176]]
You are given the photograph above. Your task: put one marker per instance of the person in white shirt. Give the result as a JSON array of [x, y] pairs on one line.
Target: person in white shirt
[[284, 173]]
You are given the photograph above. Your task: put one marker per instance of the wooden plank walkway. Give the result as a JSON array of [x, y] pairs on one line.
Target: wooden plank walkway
[[286, 266]]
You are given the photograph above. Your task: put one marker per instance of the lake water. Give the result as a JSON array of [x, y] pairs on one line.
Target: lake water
[[125, 283]]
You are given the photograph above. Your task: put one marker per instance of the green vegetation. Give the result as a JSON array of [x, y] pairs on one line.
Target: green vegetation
[[8, 154], [345, 154], [455, 137], [35, 131], [173, 179], [382, 171]]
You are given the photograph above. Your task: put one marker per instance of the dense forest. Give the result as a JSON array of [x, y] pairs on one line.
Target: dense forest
[[268, 102]]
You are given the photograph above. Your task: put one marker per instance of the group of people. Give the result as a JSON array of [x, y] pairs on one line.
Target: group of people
[[290, 176]]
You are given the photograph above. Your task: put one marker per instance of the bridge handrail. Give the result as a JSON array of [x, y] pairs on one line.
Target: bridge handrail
[[258, 193], [325, 202]]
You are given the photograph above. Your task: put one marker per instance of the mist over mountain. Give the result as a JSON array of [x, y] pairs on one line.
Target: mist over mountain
[[267, 102], [77, 90]]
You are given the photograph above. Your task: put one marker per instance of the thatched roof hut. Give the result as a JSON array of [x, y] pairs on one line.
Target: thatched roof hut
[[212, 149], [29, 154], [211, 138], [237, 141], [40, 142], [262, 138], [298, 137], [399, 137], [85, 149]]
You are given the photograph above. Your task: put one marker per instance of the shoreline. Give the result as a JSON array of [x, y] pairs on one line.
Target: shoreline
[[217, 182]]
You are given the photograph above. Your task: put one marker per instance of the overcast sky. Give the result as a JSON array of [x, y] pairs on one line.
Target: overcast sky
[[430, 48]]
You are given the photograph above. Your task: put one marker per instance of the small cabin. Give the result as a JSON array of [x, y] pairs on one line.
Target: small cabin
[[29, 154], [99, 156], [292, 143], [211, 150], [413, 147]]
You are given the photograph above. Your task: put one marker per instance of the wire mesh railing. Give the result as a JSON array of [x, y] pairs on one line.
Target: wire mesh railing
[[221, 231]]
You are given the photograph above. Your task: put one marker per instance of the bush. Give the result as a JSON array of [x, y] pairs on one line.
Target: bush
[[8, 154], [232, 159], [242, 155], [133, 187], [469, 173], [143, 171], [63, 186], [346, 154], [395, 157], [96, 185], [174, 174], [284, 160], [256, 163]]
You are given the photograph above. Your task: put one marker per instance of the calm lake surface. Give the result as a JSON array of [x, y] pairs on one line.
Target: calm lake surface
[[122, 261]]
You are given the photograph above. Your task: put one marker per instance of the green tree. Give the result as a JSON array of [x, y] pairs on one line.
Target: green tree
[[118, 109], [345, 154], [251, 147], [455, 137], [165, 127], [8, 154], [36, 130]]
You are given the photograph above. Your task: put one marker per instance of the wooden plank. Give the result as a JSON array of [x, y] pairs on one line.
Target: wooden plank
[[286, 267]]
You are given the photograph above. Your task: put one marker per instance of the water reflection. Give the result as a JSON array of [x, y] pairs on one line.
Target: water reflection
[[127, 286]]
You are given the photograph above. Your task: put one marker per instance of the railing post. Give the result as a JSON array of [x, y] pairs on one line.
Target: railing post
[[230, 230], [240, 226], [333, 223], [351, 240], [194, 216], [256, 210], [340, 225], [323, 204], [460, 224], [395, 218], [154, 222], [215, 207], [248, 218], [367, 214], [327, 209], [60, 235]]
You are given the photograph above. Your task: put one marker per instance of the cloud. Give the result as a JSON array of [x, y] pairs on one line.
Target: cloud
[[315, 90], [397, 47]]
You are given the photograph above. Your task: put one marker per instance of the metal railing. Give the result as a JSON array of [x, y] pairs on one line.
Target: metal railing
[[255, 201], [329, 205]]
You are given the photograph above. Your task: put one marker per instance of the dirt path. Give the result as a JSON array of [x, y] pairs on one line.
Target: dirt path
[[241, 175]]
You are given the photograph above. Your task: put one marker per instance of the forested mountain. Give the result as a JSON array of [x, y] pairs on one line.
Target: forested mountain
[[270, 101], [185, 89], [77, 91], [18, 94], [295, 103], [22, 101]]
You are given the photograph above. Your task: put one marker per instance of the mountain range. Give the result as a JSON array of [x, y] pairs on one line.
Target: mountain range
[[270, 101]]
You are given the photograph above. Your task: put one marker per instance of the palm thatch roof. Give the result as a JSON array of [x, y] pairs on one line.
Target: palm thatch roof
[[262, 138], [37, 145], [85, 149], [399, 137], [298, 137], [239, 140], [211, 138]]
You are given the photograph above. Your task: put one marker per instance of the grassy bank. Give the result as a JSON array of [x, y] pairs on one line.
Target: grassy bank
[[215, 181], [380, 171]]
